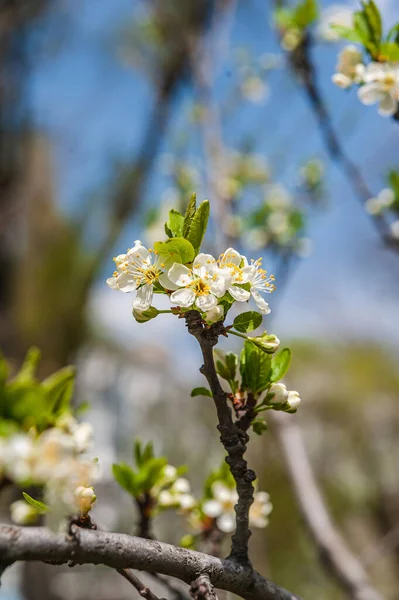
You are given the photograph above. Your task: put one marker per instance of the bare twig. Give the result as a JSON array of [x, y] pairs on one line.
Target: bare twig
[[342, 563], [120, 551], [233, 438], [202, 589], [142, 589], [302, 65]]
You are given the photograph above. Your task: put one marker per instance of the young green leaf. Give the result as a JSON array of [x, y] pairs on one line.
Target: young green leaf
[[189, 216], [259, 425], [125, 476], [373, 16], [41, 507], [28, 369], [347, 33], [280, 364], [177, 249], [306, 13], [198, 225], [393, 34], [389, 51], [59, 387], [255, 368], [175, 224], [247, 321], [201, 391]]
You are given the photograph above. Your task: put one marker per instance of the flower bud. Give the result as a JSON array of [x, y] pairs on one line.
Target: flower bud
[[293, 400], [280, 393], [84, 497], [214, 315], [23, 513], [267, 343]]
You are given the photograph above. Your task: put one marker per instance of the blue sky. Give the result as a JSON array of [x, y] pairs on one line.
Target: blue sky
[[93, 107]]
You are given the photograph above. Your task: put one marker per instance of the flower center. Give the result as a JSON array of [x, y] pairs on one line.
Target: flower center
[[200, 287], [389, 80]]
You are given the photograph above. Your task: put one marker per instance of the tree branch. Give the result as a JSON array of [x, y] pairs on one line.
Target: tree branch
[[202, 589], [233, 438], [343, 565], [142, 589], [120, 551]]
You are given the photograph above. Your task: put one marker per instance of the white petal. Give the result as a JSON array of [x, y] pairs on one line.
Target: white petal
[[212, 508], [260, 302], [139, 251], [227, 522], [223, 493], [125, 282], [219, 286], [247, 273], [112, 283], [206, 302], [370, 93], [143, 297], [231, 256], [180, 275], [239, 294], [184, 297], [203, 260], [182, 486], [388, 106], [167, 283], [259, 521], [341, 80]]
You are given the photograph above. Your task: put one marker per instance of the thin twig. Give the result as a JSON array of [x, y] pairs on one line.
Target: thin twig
[[142, 589], [233, 438], [202, 589], [302, 65], [345, 567], [120, 551]]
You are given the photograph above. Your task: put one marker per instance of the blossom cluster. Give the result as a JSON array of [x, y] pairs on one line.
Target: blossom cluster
[[200, 286], [378, 81], [54, 461]]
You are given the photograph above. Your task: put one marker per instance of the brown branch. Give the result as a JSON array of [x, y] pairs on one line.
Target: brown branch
[[142, 589], [233, 438], [343, 565], [301, 64], [120, 551], [202, 589]]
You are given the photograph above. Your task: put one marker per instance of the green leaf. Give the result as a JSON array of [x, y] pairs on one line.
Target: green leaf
[[189, 216], [28, 369], [148, 452], [137, 452], [3, 370], [201, 391], [393, 34], [373, 16], [247, 321], [175, 224], [41, 507], [198, 225], [226, 367], [347, 33], [255, 368], [168, 231], [389, 51], [59, 387], [142, 316], [259, 425], [280, 364], [362, 26], [306, 13], [177, 249], [125, 476]]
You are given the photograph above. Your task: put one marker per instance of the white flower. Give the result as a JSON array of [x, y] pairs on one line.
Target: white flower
[[260, 510], [214, 315], [84, 499], [229, 262], [254, 89], [260, 282], [293, 400], [221, 507], [178, 496], [385, 199], [395, 229], [136, 271], [349, 68], [19, 456], [200, 286], [280, 393], [23, 513], [381, 84], [83, 437], [336, 14]]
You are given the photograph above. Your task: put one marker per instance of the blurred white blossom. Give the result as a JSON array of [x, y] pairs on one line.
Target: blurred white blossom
[[381, 84]]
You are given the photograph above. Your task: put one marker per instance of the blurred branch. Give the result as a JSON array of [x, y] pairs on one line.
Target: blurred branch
[[388, 542], [301, 64], [142, 589], [120, 551], [233, 438], [202, 589], [334, 553]]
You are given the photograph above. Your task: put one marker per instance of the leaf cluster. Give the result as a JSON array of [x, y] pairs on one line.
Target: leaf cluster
[[299, 17]]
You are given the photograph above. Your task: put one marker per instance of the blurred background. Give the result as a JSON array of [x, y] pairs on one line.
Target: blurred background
[[114, 111]]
